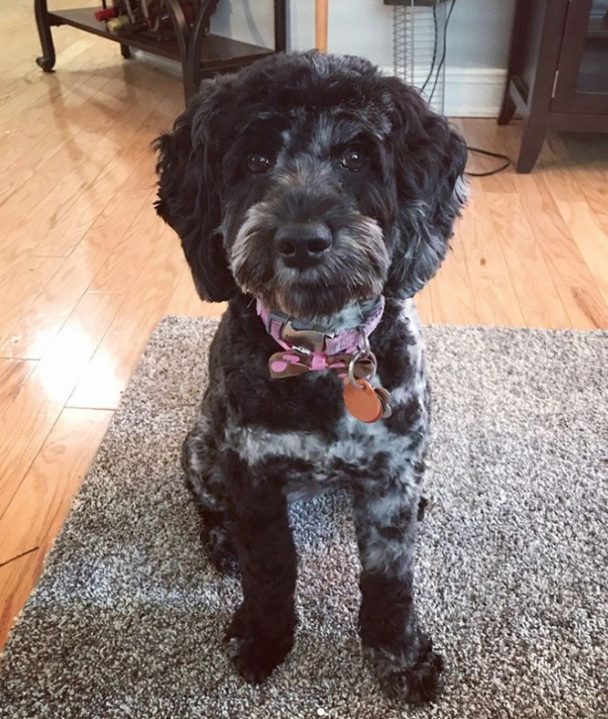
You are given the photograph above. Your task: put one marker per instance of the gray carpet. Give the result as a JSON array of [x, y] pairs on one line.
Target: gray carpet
[[512, 580]]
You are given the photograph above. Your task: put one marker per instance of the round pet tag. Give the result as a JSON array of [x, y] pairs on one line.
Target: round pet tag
[[361, 401]]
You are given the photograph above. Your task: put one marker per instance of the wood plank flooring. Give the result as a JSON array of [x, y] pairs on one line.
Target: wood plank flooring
[[87, 269]]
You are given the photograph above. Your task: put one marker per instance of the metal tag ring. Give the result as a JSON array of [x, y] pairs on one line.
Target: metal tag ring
[[361, 354]]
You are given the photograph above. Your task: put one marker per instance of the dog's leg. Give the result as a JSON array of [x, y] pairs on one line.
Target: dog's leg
[[261, 632], [386, 519], [205, 480]]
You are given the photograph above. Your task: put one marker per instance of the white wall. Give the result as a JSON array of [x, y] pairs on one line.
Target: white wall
[[478, 40], [480, 33]]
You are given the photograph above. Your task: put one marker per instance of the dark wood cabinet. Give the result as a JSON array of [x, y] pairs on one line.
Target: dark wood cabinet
[[558, 70]]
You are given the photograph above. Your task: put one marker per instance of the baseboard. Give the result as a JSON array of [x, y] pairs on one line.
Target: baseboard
[[469, 92], [472, 92]]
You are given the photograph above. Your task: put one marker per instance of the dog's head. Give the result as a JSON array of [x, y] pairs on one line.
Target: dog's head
[[310, 181]]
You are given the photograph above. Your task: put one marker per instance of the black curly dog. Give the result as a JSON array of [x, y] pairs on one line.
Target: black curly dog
[[318, 197]]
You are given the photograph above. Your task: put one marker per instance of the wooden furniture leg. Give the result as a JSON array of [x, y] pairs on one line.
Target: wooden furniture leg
[[532, 72], [532, 140], [47, 60], [508, 106], [280, 25], [321, 25], [507, 109]]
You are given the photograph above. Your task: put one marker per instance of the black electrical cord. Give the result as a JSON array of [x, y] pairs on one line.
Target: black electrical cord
[[444, 49], [478, 150], [434, 58], [498, 155]]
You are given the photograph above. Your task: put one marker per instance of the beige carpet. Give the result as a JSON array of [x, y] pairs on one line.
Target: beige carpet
[[512, 580]]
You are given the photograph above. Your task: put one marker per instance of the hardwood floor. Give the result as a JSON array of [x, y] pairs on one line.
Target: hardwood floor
[[87, 269]]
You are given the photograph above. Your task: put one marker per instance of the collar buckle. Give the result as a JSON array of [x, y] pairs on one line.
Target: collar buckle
[[308, 340]]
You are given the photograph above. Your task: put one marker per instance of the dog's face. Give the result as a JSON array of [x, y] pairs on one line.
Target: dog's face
[[310, 181], [306, 217]]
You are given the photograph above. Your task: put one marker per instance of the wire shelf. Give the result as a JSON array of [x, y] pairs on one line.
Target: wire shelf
[[419, 46]]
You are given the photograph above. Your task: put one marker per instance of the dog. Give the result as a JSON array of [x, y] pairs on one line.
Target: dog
[[316, 196]]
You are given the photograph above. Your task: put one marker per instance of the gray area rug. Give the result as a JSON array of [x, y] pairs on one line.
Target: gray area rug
[[512, 580]]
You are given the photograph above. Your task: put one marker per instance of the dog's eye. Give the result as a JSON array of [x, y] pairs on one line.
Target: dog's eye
[[353, 159], [257, 163]]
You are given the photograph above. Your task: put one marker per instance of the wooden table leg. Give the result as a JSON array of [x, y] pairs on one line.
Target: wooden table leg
[[321, 25], [280, 25], [47, 60], [507, 109], [531, 143], [518, 35]]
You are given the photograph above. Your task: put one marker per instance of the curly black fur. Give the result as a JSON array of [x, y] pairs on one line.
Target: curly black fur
[[322, 142]]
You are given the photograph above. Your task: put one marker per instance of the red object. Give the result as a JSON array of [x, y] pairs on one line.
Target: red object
[[189, 12], [105, 13]]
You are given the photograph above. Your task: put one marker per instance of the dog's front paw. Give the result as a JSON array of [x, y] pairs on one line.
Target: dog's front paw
[[220, 550], [413, 677], [254, 656]]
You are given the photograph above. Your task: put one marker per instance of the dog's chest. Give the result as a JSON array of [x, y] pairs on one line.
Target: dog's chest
[[304, 435], [309, 462]]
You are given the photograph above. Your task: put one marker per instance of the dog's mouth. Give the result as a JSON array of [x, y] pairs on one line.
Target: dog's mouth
[[352, 269], [314, 293]]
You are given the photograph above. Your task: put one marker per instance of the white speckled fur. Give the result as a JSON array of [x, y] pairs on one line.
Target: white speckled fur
[[339, 462]]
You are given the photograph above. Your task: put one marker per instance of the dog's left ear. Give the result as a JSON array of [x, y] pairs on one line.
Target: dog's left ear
[[429, 162], [188, 194]]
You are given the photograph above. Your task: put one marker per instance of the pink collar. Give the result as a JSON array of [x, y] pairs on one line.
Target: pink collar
[[312, 349]]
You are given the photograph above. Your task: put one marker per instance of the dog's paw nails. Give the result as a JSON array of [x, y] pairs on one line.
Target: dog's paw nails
[[220, 551], [253, 661], [225, 563], [416, 681], [254, 657], [418, 684]]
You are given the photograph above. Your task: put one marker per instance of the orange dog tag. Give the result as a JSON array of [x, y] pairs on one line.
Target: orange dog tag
[[362, 402]]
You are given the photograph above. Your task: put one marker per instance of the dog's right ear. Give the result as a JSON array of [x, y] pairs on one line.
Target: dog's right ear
[[188, 195]]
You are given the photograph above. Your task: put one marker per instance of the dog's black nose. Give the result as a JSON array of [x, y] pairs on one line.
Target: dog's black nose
[[303, 244]]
